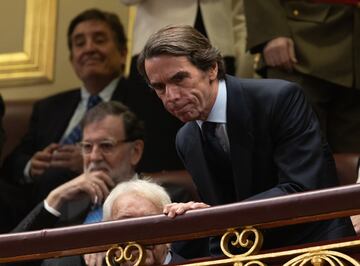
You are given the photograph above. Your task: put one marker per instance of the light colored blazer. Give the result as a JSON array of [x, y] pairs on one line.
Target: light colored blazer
[[155, 14]]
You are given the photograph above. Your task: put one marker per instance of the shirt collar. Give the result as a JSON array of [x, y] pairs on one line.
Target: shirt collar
[[105, 94], [168, 258], [218, 111]]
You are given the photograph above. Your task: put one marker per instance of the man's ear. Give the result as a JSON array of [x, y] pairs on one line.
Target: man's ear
[[213, 72], [136, 152]]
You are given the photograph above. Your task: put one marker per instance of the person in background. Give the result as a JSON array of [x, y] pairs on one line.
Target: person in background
[[316, 44], [214, 19], [47, 155], [244, 61], [112, 145]]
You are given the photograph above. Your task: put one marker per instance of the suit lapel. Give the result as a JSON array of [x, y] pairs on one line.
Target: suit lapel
[[67, 111], [241, 140], [121, 94]]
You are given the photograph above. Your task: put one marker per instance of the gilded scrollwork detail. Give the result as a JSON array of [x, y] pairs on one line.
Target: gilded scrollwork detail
[[133, 252], [322, 258], [243, 239], [255, 263]]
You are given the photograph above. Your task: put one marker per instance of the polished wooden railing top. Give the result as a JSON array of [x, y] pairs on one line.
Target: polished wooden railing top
[[267, 213]]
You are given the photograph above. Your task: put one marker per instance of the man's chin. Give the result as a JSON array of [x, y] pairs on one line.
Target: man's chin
[[94, 72], [185, 117]]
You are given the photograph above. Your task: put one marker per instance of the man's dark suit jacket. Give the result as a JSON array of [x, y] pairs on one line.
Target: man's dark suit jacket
[[50, 119], [73, 213], [276, 149]]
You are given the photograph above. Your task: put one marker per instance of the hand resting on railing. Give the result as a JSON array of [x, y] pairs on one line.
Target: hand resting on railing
[[176, 208]]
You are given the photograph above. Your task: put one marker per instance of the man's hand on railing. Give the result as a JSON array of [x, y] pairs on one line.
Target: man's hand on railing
[[176, 208]]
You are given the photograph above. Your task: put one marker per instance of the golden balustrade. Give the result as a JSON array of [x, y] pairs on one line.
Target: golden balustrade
[[220, 220]]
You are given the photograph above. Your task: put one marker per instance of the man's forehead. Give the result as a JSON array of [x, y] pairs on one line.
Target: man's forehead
[[97, 27], [132, 205], [163, 58], [110, 125], [173, 66]]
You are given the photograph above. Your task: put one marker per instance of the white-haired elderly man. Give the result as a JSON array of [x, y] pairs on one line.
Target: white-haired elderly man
[[137, 198]]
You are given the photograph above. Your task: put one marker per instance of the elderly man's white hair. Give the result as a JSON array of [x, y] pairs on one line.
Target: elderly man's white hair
[[145, 188]]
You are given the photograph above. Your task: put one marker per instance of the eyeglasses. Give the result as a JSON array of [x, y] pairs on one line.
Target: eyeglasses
[[105, 146]]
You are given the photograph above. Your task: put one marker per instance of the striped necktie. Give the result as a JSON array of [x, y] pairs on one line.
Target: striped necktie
[[75, 135]]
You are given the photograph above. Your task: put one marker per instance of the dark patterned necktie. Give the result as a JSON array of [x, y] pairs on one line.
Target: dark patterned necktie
[[219, 163], [75, 135], [214, 152]]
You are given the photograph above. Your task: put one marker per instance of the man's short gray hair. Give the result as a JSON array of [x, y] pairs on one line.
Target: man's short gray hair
[[141, 187]]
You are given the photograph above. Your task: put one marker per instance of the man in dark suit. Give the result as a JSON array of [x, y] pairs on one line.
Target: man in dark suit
[[47, 156], [243, 139], [112, 146]]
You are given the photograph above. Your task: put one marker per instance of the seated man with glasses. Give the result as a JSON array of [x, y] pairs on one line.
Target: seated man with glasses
[[112, 145]]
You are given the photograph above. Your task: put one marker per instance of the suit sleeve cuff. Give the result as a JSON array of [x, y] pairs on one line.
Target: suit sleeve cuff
[[51, 209], [27, 177]]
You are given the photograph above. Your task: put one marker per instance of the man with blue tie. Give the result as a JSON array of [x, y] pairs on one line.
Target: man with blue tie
[[243, 139], [111, 146], [47, 153], [47, 156]]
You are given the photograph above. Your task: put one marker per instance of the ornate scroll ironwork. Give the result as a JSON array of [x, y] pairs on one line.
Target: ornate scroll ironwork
[[321, 258], [242, 240], [133, 252], [326, 255]]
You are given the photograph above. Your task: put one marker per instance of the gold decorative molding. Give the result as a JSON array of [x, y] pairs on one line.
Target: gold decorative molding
[[242, 240], [251, 239], [35, 64], [117, 254], [325, 255], [322, 258], [130, 32]]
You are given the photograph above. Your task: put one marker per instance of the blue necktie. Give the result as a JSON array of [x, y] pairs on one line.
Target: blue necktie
[[94, 216], [76, 134]]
